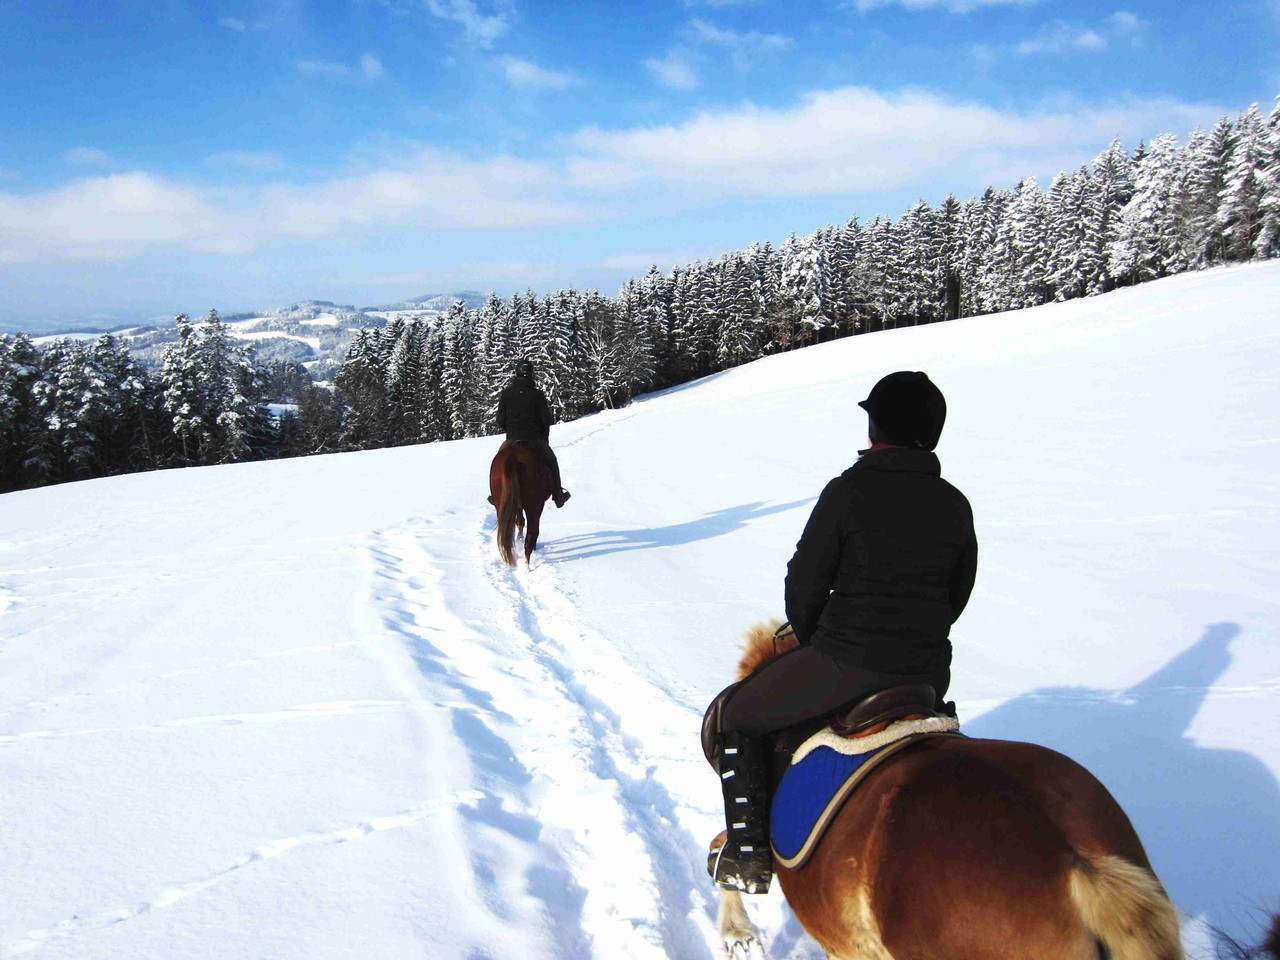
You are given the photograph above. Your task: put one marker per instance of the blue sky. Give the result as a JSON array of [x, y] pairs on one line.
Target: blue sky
[[162, 156]]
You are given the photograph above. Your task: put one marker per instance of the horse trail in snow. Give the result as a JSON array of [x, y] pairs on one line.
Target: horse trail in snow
[[531, 688]]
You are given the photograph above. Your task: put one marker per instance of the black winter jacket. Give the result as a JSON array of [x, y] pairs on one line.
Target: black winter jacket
[[885, 565], [523, 411]]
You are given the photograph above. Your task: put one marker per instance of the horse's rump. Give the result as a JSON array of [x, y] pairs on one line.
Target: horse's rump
[[973, 848], [519, 485]]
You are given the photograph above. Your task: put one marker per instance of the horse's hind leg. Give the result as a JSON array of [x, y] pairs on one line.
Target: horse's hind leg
[[741, 936], [531, 537]]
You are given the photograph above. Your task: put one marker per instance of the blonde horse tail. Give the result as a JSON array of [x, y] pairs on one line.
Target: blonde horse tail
[[1124, 906], [509, 511]]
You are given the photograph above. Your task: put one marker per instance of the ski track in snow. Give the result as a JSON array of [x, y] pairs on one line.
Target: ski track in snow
[[502, 639], [80, 924]]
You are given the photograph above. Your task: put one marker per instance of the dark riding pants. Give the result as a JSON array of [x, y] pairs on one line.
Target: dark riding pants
[[804, 685]]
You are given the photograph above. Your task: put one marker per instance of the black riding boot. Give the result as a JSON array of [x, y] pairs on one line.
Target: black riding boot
[[745, 861]]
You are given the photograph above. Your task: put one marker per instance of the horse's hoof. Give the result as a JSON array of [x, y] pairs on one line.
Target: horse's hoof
[[748, 948]]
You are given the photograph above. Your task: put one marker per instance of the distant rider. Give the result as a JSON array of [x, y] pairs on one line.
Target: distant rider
[[524, 414], [883, 569]]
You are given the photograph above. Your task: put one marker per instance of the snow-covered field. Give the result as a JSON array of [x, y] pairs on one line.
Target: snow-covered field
[[299, 709]]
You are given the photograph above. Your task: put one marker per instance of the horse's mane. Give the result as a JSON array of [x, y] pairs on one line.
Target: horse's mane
[[759, 646]]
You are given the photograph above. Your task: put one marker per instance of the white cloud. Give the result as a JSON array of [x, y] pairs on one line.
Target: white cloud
[[233, 23], [745, 47], [530, 76], [1125, 21], [678, 69], [115, 217], [849, 142], [480, 28], [673, 70], [953, 6], [87, 156], [1062, 37], [856, 140], [369, 68]]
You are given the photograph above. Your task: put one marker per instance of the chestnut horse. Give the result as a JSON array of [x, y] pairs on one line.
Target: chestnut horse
[[969, 849], [519, 487]]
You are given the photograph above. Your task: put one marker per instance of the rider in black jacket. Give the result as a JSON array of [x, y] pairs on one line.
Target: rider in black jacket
[[524, 414], [883, 569]]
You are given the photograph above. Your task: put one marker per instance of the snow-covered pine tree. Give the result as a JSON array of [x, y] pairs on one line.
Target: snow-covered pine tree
[[1205, 162], [738, 339], [1268, 242], [803, 287], [184, 400], [459, 373], [950, 238], [495, 354], [124, 419], [655, 309], [231, 385], [979, 226], [632, 343], [19, 372], [1068, 214], [406, 379], [767, 269], [1028, 226], [361, 386], [1240, 211], [1150, 243], [1113, 174], [921, 272]]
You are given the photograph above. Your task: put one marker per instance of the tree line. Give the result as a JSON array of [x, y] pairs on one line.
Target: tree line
[[73, 411]]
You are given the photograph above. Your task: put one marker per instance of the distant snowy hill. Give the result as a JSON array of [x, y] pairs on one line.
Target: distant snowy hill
[[299, 710], [311, 332]]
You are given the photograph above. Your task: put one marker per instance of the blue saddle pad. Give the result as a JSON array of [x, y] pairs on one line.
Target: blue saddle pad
[[803, 794]]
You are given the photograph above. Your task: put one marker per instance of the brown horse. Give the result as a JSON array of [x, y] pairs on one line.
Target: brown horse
[[519, 486], [969, 849]]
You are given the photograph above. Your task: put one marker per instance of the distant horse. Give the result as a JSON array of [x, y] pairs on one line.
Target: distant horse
[[519, 486], [969, 849]]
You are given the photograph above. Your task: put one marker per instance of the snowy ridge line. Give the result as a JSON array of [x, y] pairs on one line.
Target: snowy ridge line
[[306, 711], [552, 629], [34, 939]]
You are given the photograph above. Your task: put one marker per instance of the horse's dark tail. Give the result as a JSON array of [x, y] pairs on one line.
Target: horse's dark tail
[[1124, 906], [509, 510]]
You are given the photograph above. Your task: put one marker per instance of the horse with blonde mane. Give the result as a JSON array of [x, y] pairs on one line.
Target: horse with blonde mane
[[520, 484], [969, 849]]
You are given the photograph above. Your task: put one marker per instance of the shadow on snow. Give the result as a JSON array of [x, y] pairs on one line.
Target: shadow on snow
[[584, 546], [1209, 818]]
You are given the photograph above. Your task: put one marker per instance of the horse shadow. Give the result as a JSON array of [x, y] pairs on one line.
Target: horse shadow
[[717, 523], [1209, 818]]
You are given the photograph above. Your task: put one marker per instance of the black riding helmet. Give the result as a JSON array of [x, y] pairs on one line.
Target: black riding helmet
[[907, 409], [524, 369]]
